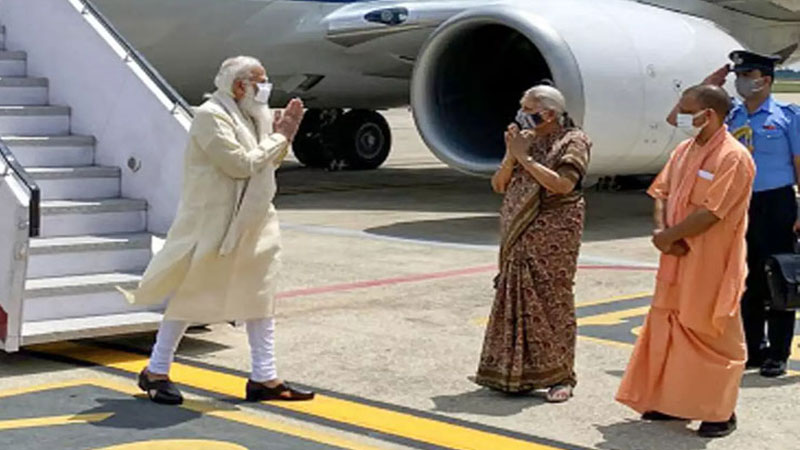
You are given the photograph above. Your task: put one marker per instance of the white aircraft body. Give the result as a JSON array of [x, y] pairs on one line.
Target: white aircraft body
[[462, 65]]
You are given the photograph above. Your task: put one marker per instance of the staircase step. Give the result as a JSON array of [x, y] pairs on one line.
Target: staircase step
[[52, 151], [34, 120], [67, 173], [77, 183], [89, 327], [77, 296], [23, 91], [63, 256], [13, 56], [82, 217], [12, 64], [80, 284]]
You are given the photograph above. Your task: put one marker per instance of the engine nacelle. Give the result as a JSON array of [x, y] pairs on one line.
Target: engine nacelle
[[621, 66]]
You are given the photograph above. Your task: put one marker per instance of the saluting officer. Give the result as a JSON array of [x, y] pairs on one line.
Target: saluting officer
[[771, 130]]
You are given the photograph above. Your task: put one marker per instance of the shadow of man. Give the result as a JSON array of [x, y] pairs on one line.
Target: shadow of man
[[637, 435], [139, 413]]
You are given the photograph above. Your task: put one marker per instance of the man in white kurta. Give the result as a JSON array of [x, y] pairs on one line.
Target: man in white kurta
[[222, 254]]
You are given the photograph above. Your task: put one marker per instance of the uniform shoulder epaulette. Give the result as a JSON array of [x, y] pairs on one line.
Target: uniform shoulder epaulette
[[791, 107]]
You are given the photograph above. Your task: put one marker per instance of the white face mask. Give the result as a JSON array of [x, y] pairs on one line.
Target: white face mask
[[685, 123], [264, 91]]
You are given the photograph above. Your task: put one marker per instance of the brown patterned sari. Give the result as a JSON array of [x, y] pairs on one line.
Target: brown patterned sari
[[530, 338]]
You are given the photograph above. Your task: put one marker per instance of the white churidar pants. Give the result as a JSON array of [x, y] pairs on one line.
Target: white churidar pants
[[260, 334]]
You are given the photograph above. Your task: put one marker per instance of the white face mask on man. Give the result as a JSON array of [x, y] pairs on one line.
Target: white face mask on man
[[685, 123], [263, 93]]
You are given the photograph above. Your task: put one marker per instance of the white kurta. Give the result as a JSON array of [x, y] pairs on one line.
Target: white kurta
[[202, 280]]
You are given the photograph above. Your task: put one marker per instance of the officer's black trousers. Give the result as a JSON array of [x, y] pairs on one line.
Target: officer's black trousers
[[772, 215]]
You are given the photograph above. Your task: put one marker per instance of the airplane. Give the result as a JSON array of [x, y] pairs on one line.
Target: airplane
[[462, 65]]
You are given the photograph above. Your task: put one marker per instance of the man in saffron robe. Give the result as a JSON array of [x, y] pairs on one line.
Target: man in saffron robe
[[689, 359]]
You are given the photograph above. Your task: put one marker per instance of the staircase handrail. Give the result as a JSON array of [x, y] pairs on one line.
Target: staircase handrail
[[34, 203], [177, 100]]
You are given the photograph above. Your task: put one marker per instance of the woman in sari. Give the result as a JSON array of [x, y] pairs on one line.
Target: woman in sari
[[530, 337]]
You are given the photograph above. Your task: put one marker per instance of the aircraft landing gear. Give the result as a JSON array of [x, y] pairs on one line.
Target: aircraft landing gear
[[359, 139], [313, 144]]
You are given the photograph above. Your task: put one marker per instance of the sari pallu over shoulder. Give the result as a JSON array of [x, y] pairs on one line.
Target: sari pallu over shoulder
[[570, 148]]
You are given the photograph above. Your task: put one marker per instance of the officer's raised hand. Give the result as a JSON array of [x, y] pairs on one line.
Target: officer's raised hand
[[718, 77]]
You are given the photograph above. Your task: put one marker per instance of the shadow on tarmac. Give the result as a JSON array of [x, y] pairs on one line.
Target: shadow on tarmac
[[23, 363], [636, 435], [486, 402], [610, 215], [753, 380], [139, 413], [462, 230], [424, 190], [191, 344]]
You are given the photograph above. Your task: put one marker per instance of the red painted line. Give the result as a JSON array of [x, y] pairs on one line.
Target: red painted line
[[620, 268], [424, 277], [386, 282]]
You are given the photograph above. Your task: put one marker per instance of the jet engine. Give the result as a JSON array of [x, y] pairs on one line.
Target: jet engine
[[621, 66]]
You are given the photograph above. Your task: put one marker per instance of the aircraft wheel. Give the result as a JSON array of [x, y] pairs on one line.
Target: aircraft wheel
[[364, 139], [309, 144]]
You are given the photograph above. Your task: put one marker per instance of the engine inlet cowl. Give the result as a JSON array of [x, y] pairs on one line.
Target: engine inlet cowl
[[621, 66]]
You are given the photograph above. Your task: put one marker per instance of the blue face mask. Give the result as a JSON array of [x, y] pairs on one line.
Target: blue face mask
[[528, 121]]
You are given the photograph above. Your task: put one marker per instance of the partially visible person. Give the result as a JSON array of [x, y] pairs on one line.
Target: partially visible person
[[530, 337], [221, 258], [771, 130], [689, 358]]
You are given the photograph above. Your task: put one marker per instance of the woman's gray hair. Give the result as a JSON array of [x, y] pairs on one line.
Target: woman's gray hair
[[233, 70], [550, 97], [553, 100]]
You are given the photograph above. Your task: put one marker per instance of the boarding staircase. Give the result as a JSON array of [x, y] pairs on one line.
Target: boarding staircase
[[92, 239]]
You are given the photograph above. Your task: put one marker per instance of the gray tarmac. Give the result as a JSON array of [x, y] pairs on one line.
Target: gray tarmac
[[386, 288]]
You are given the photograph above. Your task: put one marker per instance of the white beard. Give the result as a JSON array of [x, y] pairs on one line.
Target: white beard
[[259, 113]]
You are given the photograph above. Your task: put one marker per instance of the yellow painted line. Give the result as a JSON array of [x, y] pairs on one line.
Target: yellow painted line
[[482, 321], [234, 415], [343, 411], [614, 317], [597, 340], [41, 387], [255, 421], [620, 298], [199, 407], [176, 444], [629, 346], [17, 424]]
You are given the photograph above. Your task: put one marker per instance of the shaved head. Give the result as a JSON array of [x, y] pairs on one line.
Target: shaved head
[[711, 97]]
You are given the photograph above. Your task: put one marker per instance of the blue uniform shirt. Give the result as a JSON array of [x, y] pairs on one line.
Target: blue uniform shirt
[[772, 134]]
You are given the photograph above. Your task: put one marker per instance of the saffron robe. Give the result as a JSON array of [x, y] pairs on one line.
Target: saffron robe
[[689, 359]]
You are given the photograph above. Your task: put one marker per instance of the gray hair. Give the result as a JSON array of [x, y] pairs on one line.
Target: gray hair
[[235, 69], [552, 99]]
